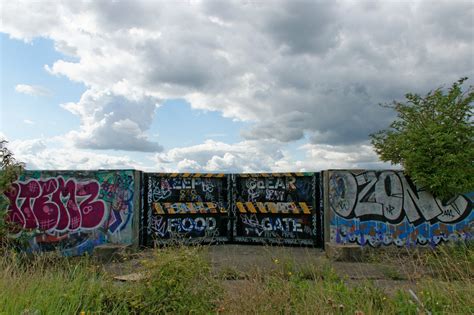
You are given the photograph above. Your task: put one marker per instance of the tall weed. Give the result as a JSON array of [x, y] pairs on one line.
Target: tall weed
[[177, 280]]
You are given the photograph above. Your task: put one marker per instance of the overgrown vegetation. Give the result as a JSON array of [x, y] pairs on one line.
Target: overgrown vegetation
[[441, 282], [10, 168], [433, 139], [176, 280], [10, 171], [180, 280]]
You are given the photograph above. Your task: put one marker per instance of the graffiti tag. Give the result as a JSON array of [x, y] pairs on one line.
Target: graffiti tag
[[390, 196], [54, 204], [167, 226]]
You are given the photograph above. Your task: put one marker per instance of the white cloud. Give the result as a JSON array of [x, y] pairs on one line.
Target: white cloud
[[189, 166], [27, 147], [320, 157], [266, 156], [28, 122], [210, 156], [40, 154], [215, 156], [295, 69], [34, 90], [110, 121]]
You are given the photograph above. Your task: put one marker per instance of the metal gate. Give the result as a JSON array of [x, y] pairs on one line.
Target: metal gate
[[281, 208], [186, 207]]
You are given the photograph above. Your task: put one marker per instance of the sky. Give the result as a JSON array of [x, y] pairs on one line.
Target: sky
[[219, 86]]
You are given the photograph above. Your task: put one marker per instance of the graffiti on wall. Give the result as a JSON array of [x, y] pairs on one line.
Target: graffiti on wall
[[118, 191], [254, 225], [169, 227], [72, 212], [386, 207], [275, 207], [186, 206], [272, 187], [192, 189], [56, 205]]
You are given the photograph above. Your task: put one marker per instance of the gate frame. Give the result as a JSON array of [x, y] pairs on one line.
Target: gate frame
[[317, 208], [150, 241]]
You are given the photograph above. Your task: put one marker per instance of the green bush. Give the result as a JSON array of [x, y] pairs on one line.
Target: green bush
[[178, 280], [433, 139]]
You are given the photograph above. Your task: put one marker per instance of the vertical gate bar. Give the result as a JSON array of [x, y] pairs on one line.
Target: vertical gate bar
[[317, 202], [321, 208], [141, 239], [146, 209], [314, 212], [230, 230], [326, 207], [142, 211], [233, 183]]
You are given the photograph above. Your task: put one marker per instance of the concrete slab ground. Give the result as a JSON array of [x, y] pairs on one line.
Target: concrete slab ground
[[263, 257], [238, 262]]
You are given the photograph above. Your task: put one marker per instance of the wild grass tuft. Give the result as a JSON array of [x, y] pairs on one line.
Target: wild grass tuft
[[440, 279], [179, 280]]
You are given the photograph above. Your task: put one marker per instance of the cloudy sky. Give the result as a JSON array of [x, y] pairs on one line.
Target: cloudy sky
[[231, 86]]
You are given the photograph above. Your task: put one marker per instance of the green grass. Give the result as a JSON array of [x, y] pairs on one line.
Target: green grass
[[445, 288], [48, 286], [293, 294], [179, 280]]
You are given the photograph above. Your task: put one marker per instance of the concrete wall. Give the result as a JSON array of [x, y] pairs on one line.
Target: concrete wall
[[385, 208], [74, 211]]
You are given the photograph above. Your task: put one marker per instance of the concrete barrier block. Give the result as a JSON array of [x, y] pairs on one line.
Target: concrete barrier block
[[111, 252], [349, 252]]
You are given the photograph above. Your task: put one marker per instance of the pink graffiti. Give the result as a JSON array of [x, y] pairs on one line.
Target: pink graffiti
[[54, 204]]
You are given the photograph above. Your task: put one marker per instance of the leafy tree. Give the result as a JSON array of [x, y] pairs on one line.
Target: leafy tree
[[433, 139], [10, 171]]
